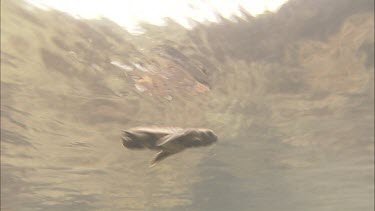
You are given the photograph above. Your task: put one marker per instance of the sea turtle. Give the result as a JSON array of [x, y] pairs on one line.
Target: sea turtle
[[167, 141]]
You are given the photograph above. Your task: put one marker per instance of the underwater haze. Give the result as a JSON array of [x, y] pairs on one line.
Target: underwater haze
[[290, 95]]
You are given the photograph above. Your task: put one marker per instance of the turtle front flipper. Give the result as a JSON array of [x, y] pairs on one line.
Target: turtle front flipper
[[160, 156]]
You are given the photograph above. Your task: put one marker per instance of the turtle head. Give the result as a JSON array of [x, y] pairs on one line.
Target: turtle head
[[207, 137]]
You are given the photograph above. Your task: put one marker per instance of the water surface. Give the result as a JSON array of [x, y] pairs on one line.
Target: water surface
[[289, 94]]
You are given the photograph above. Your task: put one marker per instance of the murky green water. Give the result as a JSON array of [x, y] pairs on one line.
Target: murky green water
[[293, 106]]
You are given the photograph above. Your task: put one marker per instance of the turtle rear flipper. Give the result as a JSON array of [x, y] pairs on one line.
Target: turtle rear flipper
[[130, 141], [160, 156]]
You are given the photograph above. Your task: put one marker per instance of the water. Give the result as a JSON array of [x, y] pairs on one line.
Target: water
[[292, 106]]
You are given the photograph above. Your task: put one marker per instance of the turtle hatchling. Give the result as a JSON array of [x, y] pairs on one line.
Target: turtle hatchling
[[167, 141]]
